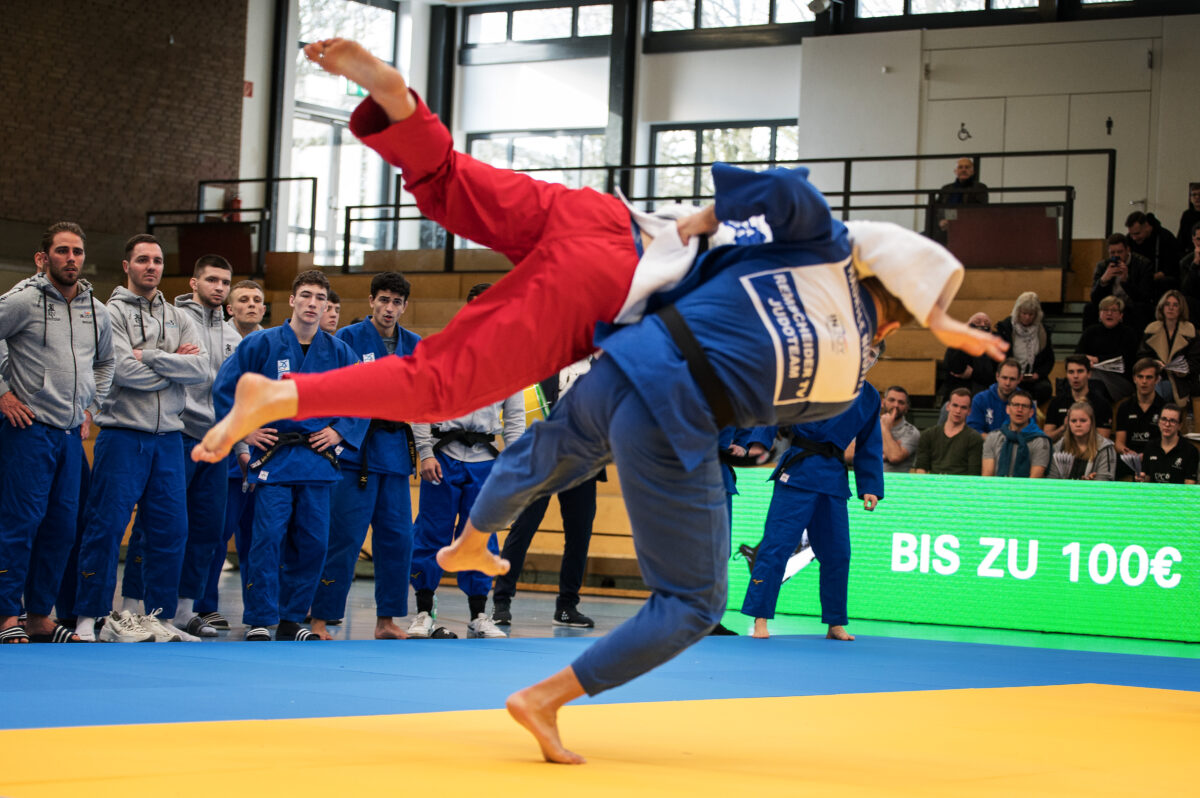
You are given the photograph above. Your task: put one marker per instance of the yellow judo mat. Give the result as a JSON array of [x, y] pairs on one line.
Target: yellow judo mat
[[1085, 740]]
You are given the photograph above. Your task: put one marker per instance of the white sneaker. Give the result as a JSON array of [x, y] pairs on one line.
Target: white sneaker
[[121, 627], [422, 625], [483, 626], [161, 631]]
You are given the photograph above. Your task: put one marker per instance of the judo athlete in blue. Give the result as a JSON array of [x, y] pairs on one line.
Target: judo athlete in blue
[[294, 467], [373, 490], [138, 458], [811, 491], [211, 278], [58, 366], [754, 335]]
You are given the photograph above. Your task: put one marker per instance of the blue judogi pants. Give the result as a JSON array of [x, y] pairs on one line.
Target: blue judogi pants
[[205, 520], [143, 469], [385, 504], [792, 511], [38, 509], [680, 523], [239, 519], [287, 551], [443, 511]]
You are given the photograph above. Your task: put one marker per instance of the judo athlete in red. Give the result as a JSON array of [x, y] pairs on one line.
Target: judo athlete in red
[[575, 250]]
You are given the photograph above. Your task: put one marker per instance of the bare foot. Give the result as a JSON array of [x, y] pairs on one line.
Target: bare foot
[[351, 60], [838, 633], [257, 401], [386, 629], [319, 628], [469, 552], [760, 629], [542, 722]]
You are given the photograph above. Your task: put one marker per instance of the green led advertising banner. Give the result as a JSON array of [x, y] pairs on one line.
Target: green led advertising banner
[[1119, 559]]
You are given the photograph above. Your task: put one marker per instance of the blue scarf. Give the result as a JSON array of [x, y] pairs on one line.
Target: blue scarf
[[1020, 442]]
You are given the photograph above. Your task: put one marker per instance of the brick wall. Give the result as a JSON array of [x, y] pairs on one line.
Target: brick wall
[[104, 118]]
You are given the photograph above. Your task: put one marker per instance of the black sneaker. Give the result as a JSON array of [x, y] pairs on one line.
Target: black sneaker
[[501, 612], [569, 616]]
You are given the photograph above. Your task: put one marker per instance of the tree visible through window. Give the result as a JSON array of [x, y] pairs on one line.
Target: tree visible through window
[[772, 142]]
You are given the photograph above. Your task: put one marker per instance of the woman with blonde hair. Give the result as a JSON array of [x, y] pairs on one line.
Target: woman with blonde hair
[[1029, 340], [1171, 339], [1081, 453]]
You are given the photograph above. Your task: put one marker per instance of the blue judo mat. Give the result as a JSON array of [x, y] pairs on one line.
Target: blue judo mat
[[47, 686]]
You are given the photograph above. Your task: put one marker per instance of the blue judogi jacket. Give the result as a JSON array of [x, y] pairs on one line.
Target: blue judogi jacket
[[274, 353], [387, 451], [818, 474], [784, 324]]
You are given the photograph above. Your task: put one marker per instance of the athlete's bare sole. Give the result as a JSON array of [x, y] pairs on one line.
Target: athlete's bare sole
[[469, 552], [386, 629], [838, 633], [760, 629], [257, 401], [351, 60], [536, 708]]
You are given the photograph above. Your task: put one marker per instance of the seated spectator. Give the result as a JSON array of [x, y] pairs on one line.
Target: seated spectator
[[1111, 347], [1125, 275], [1081, 453], [953, 447], [1017, 449], [989, 410], [1172, 340], [976, 373], [1172, 459], [1136, 421], [1189, 273], [1157, 245], [1077, 389], [900, 437], [1191, 216], [1029, 340]]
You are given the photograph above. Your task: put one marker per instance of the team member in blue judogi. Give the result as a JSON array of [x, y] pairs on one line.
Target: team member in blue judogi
[[811, 491], [58, 365], [138, 458], [246, 307], [373, 490], [769, 334], [456, 457], [294, 467], [211, 278]]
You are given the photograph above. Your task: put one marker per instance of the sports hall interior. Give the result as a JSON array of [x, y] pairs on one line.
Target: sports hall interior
[[203, 124]]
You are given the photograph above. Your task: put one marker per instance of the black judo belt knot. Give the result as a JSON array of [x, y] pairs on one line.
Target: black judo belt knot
[[287, 439], [380, 425], [465, 437], [807, 449]]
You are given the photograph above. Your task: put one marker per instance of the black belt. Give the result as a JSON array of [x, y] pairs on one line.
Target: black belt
[[699, 366], [807, 449], [292, 439], [380, 425], [447, 437]]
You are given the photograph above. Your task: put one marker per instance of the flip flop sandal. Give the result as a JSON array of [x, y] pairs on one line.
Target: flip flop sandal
[[61, 634], [14, 633], [442, 633]]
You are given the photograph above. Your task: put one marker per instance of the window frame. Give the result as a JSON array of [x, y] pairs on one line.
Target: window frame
[[698, 128], [557, 49]]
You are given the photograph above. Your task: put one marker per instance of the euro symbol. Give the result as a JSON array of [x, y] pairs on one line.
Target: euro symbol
[[1160, 566]]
